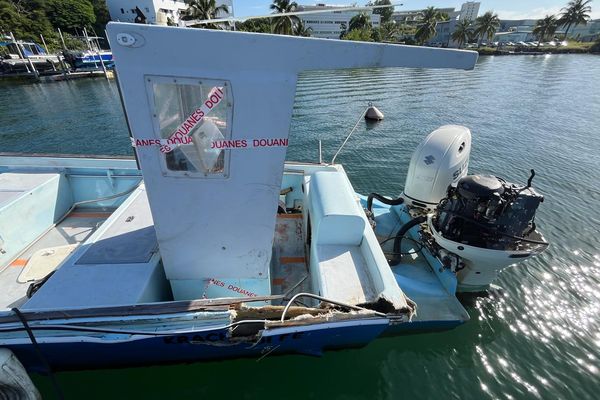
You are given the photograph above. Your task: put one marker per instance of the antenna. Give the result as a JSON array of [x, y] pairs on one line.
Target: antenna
[[243, 19]]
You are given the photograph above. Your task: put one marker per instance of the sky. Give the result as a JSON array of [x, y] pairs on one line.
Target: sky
[[507, 9]]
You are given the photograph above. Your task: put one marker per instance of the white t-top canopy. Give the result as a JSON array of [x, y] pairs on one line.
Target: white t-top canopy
[[210, 113]]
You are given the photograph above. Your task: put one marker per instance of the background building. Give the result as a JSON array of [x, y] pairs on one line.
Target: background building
[[410, 17], [330, 25], [444, 29], [153, 11], [586, 33], [512, 30], [469, 10]]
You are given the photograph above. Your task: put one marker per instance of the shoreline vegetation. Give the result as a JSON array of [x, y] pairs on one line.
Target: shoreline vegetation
[[31, 19]]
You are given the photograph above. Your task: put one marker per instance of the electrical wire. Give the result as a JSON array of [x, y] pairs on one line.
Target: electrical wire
[[420, 244], [79, 328], [38, 350]]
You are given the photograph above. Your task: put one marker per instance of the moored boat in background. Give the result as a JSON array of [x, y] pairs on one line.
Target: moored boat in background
[[91, 58], [17, 56]]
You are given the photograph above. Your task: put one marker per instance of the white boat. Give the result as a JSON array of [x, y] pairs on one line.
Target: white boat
[[91, 58], [209, 245], [18, 56]]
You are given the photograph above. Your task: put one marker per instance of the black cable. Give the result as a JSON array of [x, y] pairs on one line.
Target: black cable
[[421, 246], [530, 178], [400, 234], [405, 237], [384, 200], [38, 350], [116, 331]]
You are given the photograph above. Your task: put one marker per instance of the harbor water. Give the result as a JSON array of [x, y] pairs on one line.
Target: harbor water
[[536, 338]]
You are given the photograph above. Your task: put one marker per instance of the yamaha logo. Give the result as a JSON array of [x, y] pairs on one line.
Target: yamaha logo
[[429, 160]]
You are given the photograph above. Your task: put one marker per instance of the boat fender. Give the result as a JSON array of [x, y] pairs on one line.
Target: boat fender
[[397, 256], [15, 384]]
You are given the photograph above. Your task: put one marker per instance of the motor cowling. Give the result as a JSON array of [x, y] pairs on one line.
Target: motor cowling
[[440, 160], [487, 212]]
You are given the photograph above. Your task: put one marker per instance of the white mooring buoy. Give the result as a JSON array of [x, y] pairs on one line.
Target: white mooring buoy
[[373, 113], [15, 384]]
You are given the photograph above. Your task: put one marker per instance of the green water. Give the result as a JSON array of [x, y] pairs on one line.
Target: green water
[[540, 338]]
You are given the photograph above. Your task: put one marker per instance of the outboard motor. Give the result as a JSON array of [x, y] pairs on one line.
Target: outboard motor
[[439, 160], [486, 211], [489, 223], [475, 225]]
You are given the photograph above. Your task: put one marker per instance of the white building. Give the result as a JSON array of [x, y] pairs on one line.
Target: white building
[[411, 17], [154, 11], [330, 24], [469, 10]]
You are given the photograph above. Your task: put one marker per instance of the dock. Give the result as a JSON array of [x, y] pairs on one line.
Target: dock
[[57, 76]]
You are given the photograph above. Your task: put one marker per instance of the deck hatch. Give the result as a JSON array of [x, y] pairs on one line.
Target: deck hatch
[[130, 239]]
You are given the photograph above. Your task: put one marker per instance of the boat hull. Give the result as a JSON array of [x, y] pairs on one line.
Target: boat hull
[[65, 347], [80, 353], [94, 60]]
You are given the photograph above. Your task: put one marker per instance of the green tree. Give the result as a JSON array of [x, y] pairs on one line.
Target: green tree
[[576, 12], [486, 26], [545, 27], [70, 14], [427, 24], [389, 31], [301, 30], [27, 20], [203, 10], [343, 30], [102, 16], [262, 25], [11, 20], [376, 35], [385, 13], [284, 25], [462, 32], [360, 21], [361, 35]]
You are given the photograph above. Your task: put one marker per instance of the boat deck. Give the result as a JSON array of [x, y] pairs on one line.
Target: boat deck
[[72, 231], [416, 278], [289, 267]]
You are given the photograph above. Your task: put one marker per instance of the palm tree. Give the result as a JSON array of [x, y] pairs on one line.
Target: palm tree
[[359, 21], [301, 30], [545, 27], [462, 32], [284, 25], [203, 10], [576, 12], [427, 24], [343, 30], [389, 31], [386, 13], [486, 26]]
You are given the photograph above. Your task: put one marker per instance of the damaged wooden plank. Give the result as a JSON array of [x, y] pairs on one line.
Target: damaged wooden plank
[[274, 312], [330, 316]]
